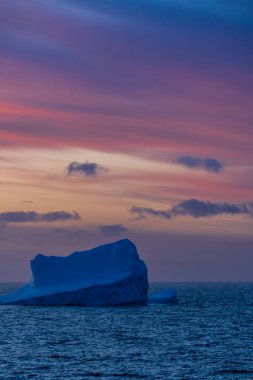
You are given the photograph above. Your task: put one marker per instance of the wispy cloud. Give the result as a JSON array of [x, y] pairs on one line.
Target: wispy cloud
[[142, 212], [89, 169], [209, 164], [33, 216], [113, 229], [202, 115], [26, 202], [196, 209]]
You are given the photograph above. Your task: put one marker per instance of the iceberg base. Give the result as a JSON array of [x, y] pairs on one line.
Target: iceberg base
[[130, 290]]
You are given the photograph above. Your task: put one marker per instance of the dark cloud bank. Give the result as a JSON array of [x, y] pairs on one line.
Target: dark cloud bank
[[33, 216], [196, 209], [89, 169], [209, 164]]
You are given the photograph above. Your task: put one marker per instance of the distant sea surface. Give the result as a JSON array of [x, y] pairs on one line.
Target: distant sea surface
[[208, 334]]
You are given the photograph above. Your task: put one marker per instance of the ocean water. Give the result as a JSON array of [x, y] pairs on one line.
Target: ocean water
[[208, 334]]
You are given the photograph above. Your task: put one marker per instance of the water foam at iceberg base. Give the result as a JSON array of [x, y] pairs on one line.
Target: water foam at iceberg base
[[111, 274]]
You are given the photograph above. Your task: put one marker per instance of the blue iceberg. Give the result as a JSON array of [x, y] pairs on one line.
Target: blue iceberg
[[164, 296], [111, 274]]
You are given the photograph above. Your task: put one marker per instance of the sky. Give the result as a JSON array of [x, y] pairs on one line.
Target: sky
[[128, 119]]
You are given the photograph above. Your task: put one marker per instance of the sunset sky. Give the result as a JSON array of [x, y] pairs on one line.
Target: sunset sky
[[128, 119]]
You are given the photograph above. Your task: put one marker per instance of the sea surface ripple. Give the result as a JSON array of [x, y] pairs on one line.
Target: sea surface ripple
[[208, 334]]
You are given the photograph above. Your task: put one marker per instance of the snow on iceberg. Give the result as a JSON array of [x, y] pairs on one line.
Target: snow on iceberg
[[111, 274], [164, 296]]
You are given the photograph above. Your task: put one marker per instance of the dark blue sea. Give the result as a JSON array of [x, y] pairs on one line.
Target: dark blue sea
[[208, 334]]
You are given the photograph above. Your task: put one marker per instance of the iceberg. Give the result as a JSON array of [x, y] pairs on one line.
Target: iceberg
[[111, 274], [164, 296]]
